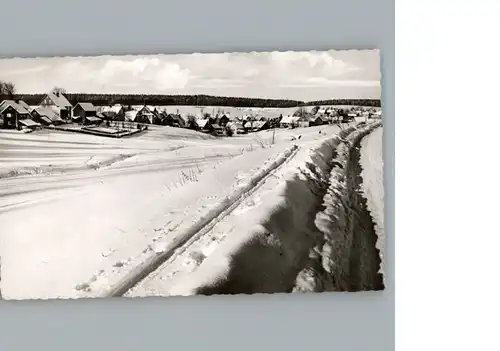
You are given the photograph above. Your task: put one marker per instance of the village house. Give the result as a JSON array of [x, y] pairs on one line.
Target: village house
[[321, 111], [114, 113], [223, 120], [131, 115], [86, 113], [59, 101], [153, 110], [145, 115], [216, 129], [255, 126], [14, 115], [317, 120], [173, 120], [289, 122], [46, 116], [204, 124], [236, 127]]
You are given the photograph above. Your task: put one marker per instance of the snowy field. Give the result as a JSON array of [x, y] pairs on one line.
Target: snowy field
[[79, 211], [372, 164]]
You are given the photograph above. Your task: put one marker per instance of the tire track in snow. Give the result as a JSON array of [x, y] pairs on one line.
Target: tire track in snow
[[199, 229], [213, 234]]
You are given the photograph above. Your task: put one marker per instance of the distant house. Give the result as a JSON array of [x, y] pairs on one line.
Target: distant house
[[223, 120], [57, 100], [46, 116], [131, 115], [173, 120], [289, 121], [317, 121], [321, 111], [351, 116], [203, 124], [153, 110], [145, 115], [216, 129], [85, 112], [255, 126], [15, 115], [236, 127]]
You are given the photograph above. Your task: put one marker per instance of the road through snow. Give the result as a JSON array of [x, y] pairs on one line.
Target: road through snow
[[71, 234]]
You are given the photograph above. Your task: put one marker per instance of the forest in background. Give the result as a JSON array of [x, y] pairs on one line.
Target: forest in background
[[186, 100]]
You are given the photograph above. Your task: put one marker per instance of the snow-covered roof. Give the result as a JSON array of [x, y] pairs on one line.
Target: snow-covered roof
[[255, 124], [59, 99], [18, 107], [48, 112], [202, 123], [112, 109], [289, 119], [24, 104], [131, 115], [87, 106]]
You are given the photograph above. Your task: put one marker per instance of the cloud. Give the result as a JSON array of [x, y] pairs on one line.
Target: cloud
[[323, 82], [269, 74], [27, 70]]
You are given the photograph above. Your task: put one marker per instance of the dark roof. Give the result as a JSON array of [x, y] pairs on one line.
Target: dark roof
[[59, 100], [87, 106]]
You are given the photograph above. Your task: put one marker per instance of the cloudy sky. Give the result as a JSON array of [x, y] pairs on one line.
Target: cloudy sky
[[305, 76]]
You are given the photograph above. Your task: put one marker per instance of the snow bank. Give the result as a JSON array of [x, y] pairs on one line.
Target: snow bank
[[273, 255], [349, 255]]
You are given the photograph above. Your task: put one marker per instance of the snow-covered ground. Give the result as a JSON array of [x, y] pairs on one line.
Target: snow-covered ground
[[372, 164], [79, 211]]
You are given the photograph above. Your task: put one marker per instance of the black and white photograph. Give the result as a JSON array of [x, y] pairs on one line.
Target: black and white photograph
[[191, 174]]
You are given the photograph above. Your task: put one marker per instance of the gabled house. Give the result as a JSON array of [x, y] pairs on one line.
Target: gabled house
[[115, 112], [203, 124], [223, 119], [289, 121], [145, 115], [59, 101], [131, 115], [153, 110], [216, 129], [255, 126], [173, 120], [316, 120], [321, 111], [15, 115], [46, 116], [85, 112]]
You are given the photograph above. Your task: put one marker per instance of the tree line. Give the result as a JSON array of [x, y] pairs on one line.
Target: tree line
[[8, 91], [356, 102]]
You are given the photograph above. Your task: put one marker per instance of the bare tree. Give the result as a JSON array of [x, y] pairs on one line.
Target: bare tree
[[58, 90], [191, 122], [8, 89]]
